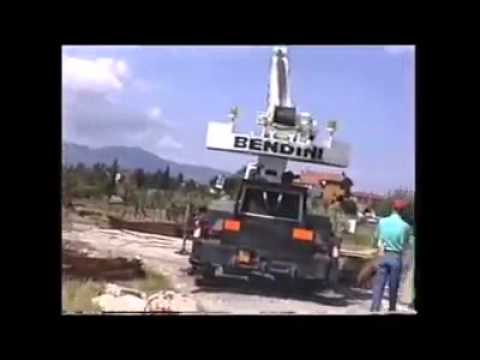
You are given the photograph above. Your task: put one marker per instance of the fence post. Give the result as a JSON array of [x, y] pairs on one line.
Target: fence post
[[183, 250]]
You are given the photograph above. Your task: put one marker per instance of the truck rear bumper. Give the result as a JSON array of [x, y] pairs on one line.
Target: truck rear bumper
[[214, 255]]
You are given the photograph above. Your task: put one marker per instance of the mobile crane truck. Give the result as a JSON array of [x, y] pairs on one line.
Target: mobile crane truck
[[268, 230]]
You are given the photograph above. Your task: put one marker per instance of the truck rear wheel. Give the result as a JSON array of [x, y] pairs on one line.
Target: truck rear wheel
[[308, 285], [207, 275]]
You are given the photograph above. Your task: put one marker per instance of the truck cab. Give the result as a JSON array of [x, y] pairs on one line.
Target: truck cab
[[266, 231]]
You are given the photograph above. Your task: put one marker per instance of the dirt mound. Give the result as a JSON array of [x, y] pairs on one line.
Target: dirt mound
[[81, 260]]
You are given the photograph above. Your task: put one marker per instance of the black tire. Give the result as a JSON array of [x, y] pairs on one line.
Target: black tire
[[308, 285], [333, 273], [206, 275]]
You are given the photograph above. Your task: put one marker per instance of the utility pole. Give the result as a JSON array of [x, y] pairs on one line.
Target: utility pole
[[183, 250]]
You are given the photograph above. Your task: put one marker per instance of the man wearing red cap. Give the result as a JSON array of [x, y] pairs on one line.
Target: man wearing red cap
[[392, 236]]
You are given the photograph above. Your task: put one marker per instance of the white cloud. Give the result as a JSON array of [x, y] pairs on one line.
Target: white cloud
[[399, 49], [101, 76], [209, 49], [169, 142], [154, 112], [94, 111]]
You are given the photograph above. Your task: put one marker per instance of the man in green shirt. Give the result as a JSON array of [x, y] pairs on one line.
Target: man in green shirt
[[338, 221], [337, 217], [392, 236]]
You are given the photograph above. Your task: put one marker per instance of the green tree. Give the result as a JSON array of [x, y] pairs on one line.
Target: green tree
[[139, 178], [114, 169], [232, 183], [80, 169], [150, 180], [384, 208], [212, 181], [157, 179], [69, 184], [101, 178], [190, 185], [180, 179], [166, 178], [349, 207]]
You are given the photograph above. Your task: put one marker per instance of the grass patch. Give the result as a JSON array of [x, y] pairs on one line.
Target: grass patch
[[77, 294], [152, 283]]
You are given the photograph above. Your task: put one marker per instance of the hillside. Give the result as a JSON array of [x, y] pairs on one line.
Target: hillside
[[132, 158]]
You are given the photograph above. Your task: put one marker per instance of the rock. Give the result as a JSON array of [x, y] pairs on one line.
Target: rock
[[124, 303], [112, 289], [169, 301], [116, 290], [121, 299], [115, 199], [180, 286]]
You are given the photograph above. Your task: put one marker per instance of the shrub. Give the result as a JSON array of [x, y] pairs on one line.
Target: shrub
[[349, 207], [384, 207]]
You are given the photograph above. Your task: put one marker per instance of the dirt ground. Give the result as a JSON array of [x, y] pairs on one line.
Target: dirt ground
[[158, 254]]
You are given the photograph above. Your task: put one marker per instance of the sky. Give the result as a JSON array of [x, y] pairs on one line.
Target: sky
[[161, 98]]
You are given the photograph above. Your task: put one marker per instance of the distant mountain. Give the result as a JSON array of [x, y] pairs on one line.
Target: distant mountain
[[132, 158]]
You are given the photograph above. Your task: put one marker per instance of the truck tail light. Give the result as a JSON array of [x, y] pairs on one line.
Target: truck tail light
[[303, 234], [231, 225]]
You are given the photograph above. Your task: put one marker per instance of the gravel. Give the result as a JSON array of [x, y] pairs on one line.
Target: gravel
[[158, 253]]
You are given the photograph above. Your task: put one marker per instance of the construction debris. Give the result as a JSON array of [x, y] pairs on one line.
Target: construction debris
[[168, 228], [89, 212], [115, 199], [116, 290], [124, 303], [121, 299], [170, 301], [84, 262], [77, 246]]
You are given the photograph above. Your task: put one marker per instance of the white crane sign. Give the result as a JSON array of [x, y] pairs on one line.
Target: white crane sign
[[285, 134]]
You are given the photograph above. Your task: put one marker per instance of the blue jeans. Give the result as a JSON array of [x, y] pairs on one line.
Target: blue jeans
[[389, 268]]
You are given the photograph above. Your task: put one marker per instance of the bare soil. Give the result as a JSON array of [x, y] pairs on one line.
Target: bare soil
[[223, 297]]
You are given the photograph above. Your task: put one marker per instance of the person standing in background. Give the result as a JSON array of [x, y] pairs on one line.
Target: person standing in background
[[140, 193], [392, 236], [346, 185], [338, 221], [201, 230]]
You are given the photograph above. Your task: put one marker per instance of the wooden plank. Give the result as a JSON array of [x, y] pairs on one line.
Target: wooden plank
[[363, 253], [79, 264], [168, 228]]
